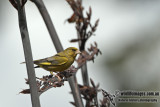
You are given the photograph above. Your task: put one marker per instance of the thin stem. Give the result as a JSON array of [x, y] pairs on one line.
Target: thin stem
[[84, 67], [82, 43], [96, 101], [72, 80], [75, 91], [82, 48], [28, 55], [85, 75], [84, 70]]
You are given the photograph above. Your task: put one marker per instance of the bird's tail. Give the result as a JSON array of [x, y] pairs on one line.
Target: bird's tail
[[36, 66], [22, 62], [25, 62]]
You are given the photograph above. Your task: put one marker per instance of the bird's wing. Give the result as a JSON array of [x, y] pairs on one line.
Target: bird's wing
[[54, 60]]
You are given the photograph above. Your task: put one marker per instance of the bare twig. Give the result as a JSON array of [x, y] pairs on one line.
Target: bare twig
[[27, 51]]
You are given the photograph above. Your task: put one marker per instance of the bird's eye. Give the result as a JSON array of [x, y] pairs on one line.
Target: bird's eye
[[73, 50]]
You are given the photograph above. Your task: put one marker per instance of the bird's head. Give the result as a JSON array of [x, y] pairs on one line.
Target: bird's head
[[72, 51]]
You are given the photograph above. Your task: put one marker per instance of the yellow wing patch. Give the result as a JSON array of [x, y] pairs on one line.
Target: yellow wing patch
[[56, 60], [46, 63]]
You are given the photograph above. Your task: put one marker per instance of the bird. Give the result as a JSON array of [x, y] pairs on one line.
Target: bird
[[59, 62]]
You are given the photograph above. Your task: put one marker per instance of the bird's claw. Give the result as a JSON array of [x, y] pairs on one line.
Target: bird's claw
[[59, 78]]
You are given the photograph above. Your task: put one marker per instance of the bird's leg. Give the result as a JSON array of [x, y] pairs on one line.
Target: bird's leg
[[51, 72], [59, 79]]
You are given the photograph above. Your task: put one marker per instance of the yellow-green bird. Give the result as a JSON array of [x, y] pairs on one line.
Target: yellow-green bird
[[59, 62]]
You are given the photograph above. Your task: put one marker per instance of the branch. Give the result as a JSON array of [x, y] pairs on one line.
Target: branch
[[89, 93], [72, 80], [82, 26], [84, 30], [27, 51]]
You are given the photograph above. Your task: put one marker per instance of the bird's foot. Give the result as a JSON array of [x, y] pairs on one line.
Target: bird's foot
[[59, 78], [51, 72]]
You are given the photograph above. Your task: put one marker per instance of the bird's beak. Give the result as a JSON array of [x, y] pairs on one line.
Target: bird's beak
[[78, 52]]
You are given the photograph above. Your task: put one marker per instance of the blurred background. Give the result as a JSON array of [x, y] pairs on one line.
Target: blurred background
[[128, 36]]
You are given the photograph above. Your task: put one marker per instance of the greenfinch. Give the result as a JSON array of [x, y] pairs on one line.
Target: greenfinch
[[59, 62]]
